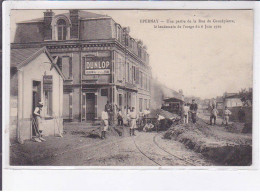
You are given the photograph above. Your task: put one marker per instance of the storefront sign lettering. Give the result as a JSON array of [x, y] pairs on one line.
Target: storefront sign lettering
[[97, 65], [98, 71]]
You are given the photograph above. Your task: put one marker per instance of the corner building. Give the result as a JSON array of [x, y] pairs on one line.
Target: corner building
[[100, 61]]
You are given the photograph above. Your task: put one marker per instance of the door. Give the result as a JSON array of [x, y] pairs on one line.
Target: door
[[36, 98], [90, 106]]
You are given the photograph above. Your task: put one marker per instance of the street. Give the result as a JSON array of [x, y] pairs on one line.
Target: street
[[144, 149]]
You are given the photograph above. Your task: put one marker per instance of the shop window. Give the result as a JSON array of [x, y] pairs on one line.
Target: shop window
[[104, 92], [145, 104], [62, 29]]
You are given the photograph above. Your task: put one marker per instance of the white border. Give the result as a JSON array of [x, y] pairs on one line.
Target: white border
[[149, 178]]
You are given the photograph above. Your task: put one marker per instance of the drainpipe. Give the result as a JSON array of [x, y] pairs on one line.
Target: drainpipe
[[19, 105]]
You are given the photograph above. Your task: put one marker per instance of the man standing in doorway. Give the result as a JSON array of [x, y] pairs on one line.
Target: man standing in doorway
[[193, 110]]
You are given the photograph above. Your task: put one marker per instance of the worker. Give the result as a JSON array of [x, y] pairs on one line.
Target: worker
[[146, 113], [160, 122], [37, 122], [186, 110], [193, 110], [104, 117], [120, 117], [133, 118], [227, 113], [108, 109], [148, 126], [213, 115]]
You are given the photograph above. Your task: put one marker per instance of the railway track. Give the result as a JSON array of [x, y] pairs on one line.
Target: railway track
[[161, 148]]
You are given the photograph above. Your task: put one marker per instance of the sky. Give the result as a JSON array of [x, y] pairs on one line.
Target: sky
[[202, 62]]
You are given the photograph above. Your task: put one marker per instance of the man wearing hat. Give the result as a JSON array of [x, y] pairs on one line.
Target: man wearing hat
[[193, 110], [37, 121]]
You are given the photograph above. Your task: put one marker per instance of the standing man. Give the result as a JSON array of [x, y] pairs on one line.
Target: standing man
[[133, 121], [104, 117], [37, 122], [108, 109], [227, 113], [186, 110], [120, 117], [213, 115], [160, 122], [193, 110]]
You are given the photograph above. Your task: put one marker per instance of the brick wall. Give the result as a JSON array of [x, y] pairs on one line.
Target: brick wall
[[96, 29]]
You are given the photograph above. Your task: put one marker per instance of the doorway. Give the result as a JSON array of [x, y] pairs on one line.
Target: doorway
[[90, 106], [36, 98]]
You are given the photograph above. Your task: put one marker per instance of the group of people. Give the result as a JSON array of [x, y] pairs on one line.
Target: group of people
[[190, 109], [214, 114], [128, 117]]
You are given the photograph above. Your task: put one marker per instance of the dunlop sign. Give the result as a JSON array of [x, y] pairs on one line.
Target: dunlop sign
[[97, 66]]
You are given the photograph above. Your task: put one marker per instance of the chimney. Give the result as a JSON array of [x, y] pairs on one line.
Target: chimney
[[48, 15], [74, 18]]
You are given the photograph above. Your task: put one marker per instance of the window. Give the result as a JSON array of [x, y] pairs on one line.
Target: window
[[137, 75], [127, 72], [48, 102], [62, 29], [130, 74], [104, 92], [139, 52], [141, 79], [47, 92], [140, 104], [145, 104], [67, 67], [134, 77]]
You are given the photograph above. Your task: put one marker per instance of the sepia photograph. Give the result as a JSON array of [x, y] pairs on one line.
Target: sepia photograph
[[131, 87]]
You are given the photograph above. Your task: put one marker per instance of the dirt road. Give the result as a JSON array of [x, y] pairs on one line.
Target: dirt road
[[144, 149]]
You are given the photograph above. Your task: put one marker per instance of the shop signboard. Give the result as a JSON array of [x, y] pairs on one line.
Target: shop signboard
[[47, 82], [97, 65]]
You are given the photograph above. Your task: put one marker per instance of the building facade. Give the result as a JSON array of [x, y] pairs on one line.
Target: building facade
[[34, 79], [100, 61]]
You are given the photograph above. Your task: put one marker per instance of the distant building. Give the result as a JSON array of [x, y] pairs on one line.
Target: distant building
[[34, 79], [100, 61], [232, 100]]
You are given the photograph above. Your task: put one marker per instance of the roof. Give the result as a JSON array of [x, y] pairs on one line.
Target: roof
[[231, 95], [82, 15], [18, 56], [22, 56]]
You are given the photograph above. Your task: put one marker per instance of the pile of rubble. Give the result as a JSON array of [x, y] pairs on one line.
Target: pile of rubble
[[222, 147]]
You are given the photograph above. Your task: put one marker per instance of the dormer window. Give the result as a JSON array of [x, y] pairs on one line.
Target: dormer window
[[62, 29]]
